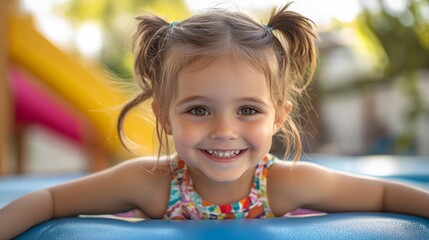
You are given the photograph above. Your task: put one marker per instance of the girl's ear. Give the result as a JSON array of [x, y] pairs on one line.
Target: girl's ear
[[165, 123], [281, 115]]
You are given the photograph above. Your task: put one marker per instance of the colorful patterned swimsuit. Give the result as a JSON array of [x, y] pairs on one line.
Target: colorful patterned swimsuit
[[185, 203]]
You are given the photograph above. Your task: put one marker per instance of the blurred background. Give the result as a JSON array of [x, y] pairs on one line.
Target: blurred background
[[66, 68]]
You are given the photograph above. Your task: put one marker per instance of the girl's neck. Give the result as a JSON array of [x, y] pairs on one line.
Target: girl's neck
[[221, 193]]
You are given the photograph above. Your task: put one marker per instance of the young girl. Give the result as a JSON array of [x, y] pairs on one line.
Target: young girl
[[222, 85]]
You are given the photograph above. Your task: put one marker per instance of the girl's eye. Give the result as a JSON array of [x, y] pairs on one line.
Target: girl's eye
[[199, 111], [248, 111]]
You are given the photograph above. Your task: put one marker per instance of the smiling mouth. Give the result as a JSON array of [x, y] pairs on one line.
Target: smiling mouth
[[223, 155]]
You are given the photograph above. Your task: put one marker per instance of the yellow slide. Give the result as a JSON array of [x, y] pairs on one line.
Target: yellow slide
[[85, 88]]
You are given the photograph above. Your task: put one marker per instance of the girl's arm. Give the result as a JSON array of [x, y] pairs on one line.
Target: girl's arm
[[122, 188], [310, 186], [25, 212]]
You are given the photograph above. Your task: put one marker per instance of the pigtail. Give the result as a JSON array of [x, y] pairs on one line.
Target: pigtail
[[295, 34], [148, 45], [297, 57]]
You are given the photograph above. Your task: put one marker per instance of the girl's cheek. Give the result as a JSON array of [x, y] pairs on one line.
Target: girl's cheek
[[259, 131], [187, 133]]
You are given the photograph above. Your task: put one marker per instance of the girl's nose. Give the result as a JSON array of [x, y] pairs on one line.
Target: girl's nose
[[223, 128]]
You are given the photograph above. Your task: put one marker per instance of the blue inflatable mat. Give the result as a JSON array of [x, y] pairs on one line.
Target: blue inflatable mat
[[331, 226], [412, 170]]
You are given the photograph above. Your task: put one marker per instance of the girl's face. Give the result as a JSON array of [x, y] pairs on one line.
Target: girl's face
[[222, 119]]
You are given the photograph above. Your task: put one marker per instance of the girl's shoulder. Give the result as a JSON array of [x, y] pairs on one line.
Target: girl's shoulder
[[152, 165], [149, 177], [293, 181], [291, 174], [286, 169], [149, 173]]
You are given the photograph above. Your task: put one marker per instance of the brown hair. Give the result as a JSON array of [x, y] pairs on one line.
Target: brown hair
[[283, 49]]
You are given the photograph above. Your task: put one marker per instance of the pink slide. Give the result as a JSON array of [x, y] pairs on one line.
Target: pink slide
[[35, 104], [81, 85]]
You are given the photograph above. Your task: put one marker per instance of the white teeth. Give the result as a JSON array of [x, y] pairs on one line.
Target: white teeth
[[218, 153]]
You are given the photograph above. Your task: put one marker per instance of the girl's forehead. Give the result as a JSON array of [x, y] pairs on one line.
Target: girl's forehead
[[222, 81], [220, 77]]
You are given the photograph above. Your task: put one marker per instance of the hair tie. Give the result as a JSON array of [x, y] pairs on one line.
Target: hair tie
[[268, 28], [172, 25]]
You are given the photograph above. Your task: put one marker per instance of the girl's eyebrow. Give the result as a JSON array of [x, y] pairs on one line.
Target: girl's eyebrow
[[203, 98], [254, 100], [192, 98]]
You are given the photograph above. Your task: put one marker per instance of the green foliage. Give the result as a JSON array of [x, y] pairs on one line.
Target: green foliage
[[116, 19], [399, 43]]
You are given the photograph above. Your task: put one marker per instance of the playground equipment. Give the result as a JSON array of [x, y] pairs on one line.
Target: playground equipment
[[84, 87], [87, 92], [34, 104]]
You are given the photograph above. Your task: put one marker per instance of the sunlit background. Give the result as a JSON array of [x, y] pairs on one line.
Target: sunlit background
[[370, 95]]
